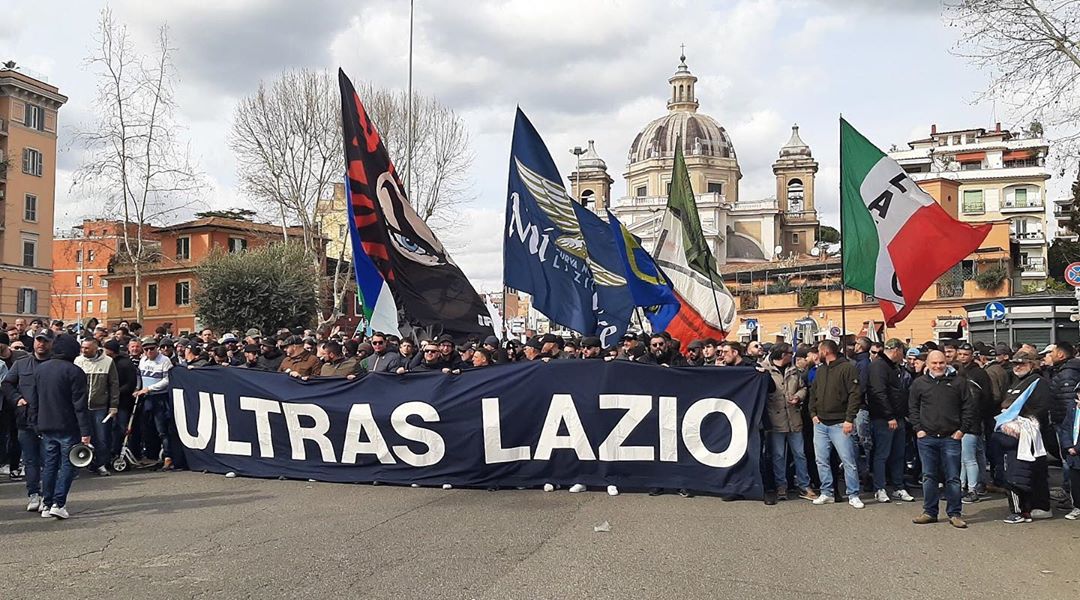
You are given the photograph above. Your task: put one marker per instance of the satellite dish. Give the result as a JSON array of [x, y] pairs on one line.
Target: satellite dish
[[815, 251], [777, 251]]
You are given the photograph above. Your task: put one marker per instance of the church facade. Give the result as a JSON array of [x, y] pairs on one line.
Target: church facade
[[738, 230]]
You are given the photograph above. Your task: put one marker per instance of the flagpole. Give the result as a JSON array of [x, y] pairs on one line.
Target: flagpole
[[843, 281], [409, 114]]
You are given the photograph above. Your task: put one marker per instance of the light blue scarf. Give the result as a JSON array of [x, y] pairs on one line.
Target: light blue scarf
[[1014, 409]]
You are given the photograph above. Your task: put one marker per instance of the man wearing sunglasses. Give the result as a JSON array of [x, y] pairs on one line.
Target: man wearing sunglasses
[[660, 353], [382, 359]]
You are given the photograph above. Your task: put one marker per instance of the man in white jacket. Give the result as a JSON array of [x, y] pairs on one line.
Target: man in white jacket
[[154, 368], [103, 386]]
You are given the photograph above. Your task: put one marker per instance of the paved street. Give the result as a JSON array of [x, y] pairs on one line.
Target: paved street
[[188, 535]]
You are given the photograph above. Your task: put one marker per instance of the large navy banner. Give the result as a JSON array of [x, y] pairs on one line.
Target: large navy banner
[[563, 422]]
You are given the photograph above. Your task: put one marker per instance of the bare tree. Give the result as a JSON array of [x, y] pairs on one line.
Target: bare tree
[[441, 154], [134, 158], [287, 141], [1032, 50]]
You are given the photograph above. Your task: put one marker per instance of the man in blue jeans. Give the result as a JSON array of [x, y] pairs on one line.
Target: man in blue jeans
[[887, 401], [57, 410], [835, 397], [941, 410]]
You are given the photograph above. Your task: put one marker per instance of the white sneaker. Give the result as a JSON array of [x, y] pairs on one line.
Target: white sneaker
[[103, 472], [1073, 515], [882, 496], [447, 486], [903, 496], [612, 490], [45, 511], [577, 487], [823, 499], [548, 487], [35, 503], [59, 512], [855, 502], [415, 485], [1038, 514], [5, 470]]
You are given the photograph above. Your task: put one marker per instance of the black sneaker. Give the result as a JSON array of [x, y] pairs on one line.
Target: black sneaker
[[685, 493], [656, 491], [770, 499], [970, 498]]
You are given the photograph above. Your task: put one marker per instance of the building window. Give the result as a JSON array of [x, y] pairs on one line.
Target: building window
[[32, 162], [973, 202], [971, 166], [78, 256], [1020, 198], [129, 297], [956, 140], [89, 306], [795, 195], [78, 281], [183, 293], [90, 255], [970, 138], [715, 188], [30, 208], [341, 230], [29, 253], [78, 307], [237, 245], [151, 295], [104, 283], [89, 281], [104, 306], [668, 188], [794, 238], [183, 248], [27, 301], [34, 117], [640, 191]]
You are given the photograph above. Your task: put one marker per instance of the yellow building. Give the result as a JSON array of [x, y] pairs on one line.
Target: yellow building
[[28, 124], [333, 223]]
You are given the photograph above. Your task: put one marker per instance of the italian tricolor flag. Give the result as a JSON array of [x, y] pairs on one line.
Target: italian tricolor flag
[[896, 239]]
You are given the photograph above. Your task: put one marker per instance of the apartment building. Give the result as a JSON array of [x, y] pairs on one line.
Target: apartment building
[[1001, 177], [29, 108], [81, 263]]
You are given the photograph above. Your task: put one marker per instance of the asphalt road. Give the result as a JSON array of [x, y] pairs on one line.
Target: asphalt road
[[190, 535]]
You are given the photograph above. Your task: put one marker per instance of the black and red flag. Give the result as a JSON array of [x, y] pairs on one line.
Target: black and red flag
[[429, 290]]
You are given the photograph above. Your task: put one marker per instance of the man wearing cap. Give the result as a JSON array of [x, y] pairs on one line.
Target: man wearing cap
[[167, 348], [127, 374], [694, 357], [9, 430], [298, 361], [154, 369], [449, 355], [251, 357], [103, 392], [785, 423], [337, 365], [532, 348], [887, 402], [591, 348], [973, 448], [252, 336], [1027, 477], [270, 357], [18, 385], [660, 353], [942, 409]]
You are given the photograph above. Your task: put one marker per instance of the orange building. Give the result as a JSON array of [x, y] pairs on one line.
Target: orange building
[[168, 284], [81, 260], [28, 122]]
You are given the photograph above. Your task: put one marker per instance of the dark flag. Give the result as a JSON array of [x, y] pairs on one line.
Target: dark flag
[[428, 288]]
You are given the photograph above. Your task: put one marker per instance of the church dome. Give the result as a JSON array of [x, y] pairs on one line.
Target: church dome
[[701, 134]]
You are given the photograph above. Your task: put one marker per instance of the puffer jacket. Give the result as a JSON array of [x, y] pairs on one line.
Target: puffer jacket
[[20, 383], [982, 389], [941, 406], [885, 397], [102, 381], [783, 416], [1066, 441], [1065, 378]]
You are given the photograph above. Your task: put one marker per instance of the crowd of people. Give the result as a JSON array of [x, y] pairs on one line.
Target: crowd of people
[[961, 420]]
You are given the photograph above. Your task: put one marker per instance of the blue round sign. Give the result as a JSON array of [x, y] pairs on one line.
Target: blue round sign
[[1072, 274], [995, 311]]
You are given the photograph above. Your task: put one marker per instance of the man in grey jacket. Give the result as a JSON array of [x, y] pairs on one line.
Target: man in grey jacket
[[103, 390]]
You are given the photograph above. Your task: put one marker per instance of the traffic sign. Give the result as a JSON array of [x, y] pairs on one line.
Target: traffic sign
[[1072, 274], [834, 332], [751, 324], [995, 311]]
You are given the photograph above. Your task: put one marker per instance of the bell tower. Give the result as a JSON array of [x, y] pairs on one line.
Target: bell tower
[[795, 169], [590, 183]]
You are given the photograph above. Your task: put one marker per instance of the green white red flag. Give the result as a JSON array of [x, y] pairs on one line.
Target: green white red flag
[[896, 239]]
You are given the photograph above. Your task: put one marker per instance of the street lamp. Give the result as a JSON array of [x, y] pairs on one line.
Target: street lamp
[[577, 151]]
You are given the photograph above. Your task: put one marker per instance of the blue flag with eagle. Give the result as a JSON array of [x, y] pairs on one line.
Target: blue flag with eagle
[[648, 285], [557, 250]]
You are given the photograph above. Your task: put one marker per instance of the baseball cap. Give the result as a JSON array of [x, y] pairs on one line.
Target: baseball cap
[[590, 342], [1047, 350], [149, 342], [254, 332], [695, 345], [491, 341], [893, 343], [45, 334], [227, 338], [1002, 350], [252, 348], [534, 343], [966, 346], [1024, 356], [294, 340], [913, 353], [112, 345]]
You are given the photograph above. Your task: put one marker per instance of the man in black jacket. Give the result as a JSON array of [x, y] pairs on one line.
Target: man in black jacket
[[1065, 375], [972, 448], [660, 353], [941, 410], [129, 382], [887, 403], [58, 412], [18, 386]]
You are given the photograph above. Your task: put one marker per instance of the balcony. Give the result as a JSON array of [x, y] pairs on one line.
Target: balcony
[[1029, 238], [1034, 267], [1022, 206]]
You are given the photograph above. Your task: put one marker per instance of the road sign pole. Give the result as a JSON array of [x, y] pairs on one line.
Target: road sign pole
[[995, 332]]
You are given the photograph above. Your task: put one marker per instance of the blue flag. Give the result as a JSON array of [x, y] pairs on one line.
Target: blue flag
[[546, 248], [648, 285]]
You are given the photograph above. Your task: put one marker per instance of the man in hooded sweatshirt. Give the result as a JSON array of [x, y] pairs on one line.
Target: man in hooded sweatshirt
[[18, 385], [57, 410], [103, 391]]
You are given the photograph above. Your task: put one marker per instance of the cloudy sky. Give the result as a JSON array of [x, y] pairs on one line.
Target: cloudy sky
[[581, 70]]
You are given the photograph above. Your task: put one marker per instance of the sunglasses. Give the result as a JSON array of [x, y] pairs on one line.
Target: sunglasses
[[431, 351], [659, 345], [378, 343]]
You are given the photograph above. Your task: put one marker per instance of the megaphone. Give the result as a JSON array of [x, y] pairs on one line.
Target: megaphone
[[81, 455]]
